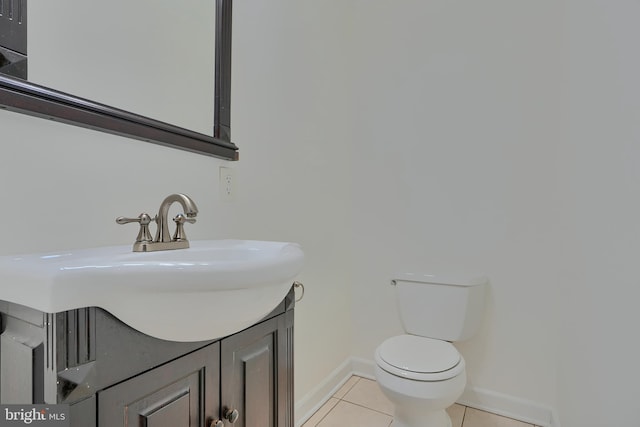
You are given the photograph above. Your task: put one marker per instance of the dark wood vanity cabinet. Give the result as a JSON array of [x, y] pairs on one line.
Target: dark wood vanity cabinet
[[253, 378], [113, 376], [184, 392]]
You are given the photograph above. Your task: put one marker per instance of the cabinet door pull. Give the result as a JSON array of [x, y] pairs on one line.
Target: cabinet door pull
[[231, 415], [216, 423]]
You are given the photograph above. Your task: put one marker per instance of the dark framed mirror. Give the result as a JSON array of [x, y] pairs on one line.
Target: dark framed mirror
[[79, 109]]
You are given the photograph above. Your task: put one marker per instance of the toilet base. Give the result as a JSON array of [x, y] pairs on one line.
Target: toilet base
[[420, 403], [438, 418]]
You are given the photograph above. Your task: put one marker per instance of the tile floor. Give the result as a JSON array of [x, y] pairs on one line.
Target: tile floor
[[360, 403]]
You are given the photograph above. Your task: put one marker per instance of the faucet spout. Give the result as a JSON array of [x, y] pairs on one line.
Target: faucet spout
[[190, 210]]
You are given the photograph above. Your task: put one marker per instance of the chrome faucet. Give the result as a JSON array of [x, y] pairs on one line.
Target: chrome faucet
[[163, 240], [190, 210]]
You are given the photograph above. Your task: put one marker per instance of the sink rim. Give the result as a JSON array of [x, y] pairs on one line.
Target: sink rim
[[52, 282]]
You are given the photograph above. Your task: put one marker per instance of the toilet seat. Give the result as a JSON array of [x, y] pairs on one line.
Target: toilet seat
[[419, 358]]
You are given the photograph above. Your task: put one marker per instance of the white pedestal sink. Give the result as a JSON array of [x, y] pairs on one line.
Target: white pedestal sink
[[208, 291]]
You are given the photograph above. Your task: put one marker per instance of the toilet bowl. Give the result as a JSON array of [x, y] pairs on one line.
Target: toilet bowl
[[421, 377], [421, 372]]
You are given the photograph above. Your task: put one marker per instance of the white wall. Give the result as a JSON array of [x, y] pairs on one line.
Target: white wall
[[455, 134], [290, 120], [598, 321], [502, 137]]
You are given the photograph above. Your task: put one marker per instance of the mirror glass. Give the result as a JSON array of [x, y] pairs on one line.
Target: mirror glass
[[156, 60], [148, 57]]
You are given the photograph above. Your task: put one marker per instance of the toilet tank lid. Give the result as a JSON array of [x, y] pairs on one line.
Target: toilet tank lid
[[441, 279]]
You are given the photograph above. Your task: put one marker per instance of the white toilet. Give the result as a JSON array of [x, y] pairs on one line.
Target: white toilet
[[421, 372]]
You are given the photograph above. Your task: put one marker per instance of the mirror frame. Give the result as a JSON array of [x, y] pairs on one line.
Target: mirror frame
[[28, 98]]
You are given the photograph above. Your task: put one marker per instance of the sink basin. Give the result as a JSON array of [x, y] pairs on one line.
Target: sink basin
[[210, 290]]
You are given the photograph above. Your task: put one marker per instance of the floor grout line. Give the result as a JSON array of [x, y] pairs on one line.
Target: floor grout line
[[464, 414], [352, 386], [325, 416], [365, 407]]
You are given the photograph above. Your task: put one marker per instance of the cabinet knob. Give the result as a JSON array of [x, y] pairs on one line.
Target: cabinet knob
[[216, 423], [231, 415]]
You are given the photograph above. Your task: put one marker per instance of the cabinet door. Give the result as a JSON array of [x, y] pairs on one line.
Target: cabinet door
[[182, 393], [250, 382], [248, 375]]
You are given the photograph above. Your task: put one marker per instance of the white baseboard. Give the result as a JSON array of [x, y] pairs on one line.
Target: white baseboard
[[475, 397], [312, 401], [508, 406], [363, 368]]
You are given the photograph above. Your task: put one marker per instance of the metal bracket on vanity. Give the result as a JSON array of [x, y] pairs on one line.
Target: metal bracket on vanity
[[298, 285]]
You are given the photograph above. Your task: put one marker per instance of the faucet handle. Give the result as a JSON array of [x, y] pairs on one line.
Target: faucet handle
[[144, 219], [180, 219]]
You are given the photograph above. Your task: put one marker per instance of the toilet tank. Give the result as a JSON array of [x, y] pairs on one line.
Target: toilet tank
[[448, 308]]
